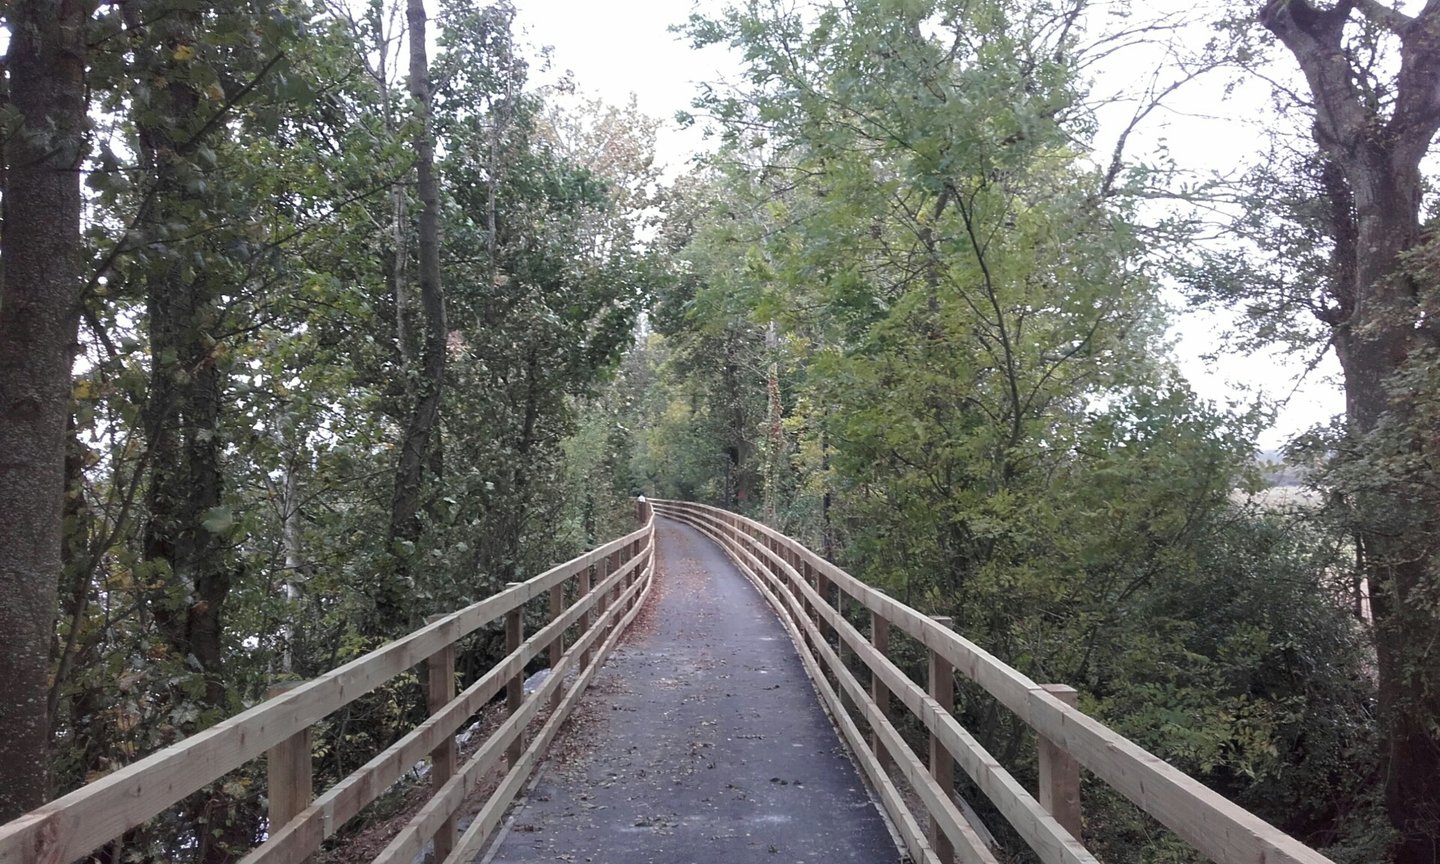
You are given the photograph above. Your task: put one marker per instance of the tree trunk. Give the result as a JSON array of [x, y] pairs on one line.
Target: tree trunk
[[775, 433], [1381, 333], [290, 544], [399, 228], [827, 500], [182, 411], [185, 534], [1397, 531], [40, 295], [421, 423], [737, 466]]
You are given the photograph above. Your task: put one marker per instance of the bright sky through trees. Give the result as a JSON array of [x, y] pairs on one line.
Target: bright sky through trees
[[615, 50]]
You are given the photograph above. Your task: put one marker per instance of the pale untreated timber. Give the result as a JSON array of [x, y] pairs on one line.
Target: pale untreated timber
[[910, 765], [1215, 826], [557, 645], [288, 773], [1060, 773], [879, 693], [1041, 832], [439, 691], [941, 677], [343, 801], [472, 841], [589, 619], [411, 839], [73, 825]]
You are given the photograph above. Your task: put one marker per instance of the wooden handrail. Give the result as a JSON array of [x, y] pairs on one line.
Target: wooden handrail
[[796, 582], [76, 824]]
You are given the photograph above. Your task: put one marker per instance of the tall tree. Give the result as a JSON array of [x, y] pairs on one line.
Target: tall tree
[[421, 424], [1373, 130], [908, 193], [182, 300], [40, 295]]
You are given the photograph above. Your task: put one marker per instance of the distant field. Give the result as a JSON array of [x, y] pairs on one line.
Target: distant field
[[1280, 497]]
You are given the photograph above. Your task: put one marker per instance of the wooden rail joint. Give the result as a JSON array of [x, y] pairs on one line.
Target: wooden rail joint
[[1060, 773], [288, 772]]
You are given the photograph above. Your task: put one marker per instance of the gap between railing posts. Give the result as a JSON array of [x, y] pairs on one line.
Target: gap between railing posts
[[588, 619], [879, 693], [515, 687], [557, 645]]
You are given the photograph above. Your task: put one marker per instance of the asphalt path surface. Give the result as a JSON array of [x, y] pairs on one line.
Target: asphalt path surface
[[701, 740]]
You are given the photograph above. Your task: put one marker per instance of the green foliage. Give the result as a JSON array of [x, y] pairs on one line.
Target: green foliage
[[903, 223], [979, 414], [269, 227]]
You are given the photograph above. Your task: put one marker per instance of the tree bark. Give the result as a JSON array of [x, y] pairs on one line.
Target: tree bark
[[40, 295], [183, 406], [193, 570], [775, 433], [425, 412], [1374, 188]]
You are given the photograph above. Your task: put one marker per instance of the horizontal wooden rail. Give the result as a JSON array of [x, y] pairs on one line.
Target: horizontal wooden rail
[[798, 583], [74, 825]]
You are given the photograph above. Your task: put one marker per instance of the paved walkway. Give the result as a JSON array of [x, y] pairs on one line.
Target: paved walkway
[[701, 741]]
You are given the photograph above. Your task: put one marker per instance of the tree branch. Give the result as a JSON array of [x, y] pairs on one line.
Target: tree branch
[[1315, 37], [1394, 20], [1417, 98]]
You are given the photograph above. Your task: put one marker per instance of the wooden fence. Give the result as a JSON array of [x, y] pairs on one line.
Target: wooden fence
[[809, 593], [611, 583]]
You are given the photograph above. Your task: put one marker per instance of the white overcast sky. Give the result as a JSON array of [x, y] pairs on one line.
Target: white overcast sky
[[616, 49]]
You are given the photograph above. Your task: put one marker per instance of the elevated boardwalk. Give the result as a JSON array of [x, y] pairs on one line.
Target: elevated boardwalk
[[702, 740]]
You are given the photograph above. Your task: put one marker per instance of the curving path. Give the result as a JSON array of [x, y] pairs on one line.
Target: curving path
[[700, 741]]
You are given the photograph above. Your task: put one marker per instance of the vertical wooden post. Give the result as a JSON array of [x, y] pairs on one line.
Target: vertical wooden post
[[557, 645], [879, 693], [515, 687], [942, 764], [439, 690], [287, 767], [1060, 773], [588, 619]]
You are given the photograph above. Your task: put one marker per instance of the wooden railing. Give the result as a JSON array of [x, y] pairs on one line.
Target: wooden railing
[[799, 584], [611, 583]]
